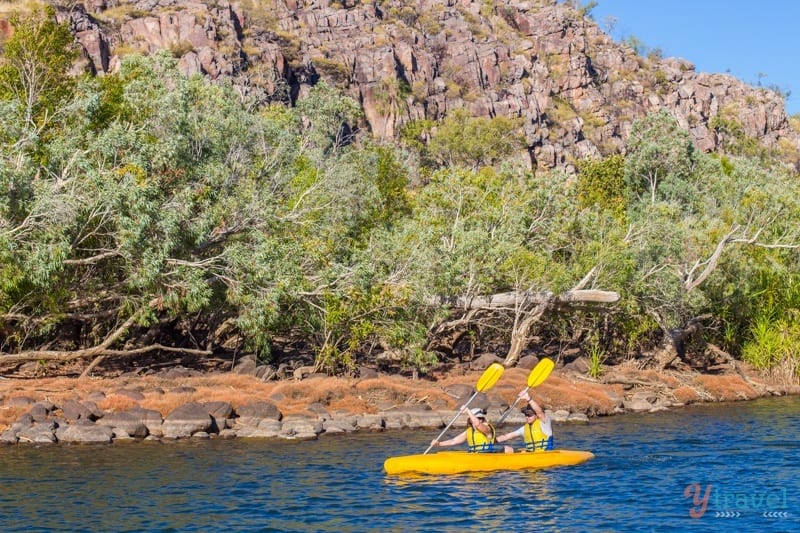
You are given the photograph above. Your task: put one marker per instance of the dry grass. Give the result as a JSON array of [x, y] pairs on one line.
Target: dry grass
[[359, 395], [291, 397], [581, 396], [686, 395], [727, 388], [117, 402], [8, 414]]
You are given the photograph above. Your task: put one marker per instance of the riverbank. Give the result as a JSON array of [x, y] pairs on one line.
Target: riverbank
[[180, 403]]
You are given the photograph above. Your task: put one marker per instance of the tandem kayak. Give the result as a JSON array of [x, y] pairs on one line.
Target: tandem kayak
[[456, 462]]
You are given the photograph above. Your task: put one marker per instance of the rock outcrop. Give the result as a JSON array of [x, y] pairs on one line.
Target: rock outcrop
[[567, 395], [575, 91]]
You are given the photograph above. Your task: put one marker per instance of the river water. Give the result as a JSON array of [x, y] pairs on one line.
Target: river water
[[705, 468]]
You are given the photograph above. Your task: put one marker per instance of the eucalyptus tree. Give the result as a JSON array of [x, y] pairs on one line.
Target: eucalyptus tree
[[490, 252], [464, 140], [694, 215], [34, 61]]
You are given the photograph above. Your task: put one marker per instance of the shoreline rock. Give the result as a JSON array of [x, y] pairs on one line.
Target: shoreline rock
[[307, 409]]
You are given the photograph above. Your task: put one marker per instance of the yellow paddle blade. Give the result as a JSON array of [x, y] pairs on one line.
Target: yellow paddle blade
[[540, 372], [490, 377]]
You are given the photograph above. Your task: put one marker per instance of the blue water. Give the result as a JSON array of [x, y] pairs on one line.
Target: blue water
[[747, 453]]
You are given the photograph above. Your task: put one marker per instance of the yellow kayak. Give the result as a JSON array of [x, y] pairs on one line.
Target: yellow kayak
[[455, 462]]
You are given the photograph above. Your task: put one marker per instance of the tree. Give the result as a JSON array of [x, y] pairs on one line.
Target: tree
[[474, 142], [602, 183], [659, 161], [496, 251], [698, 217], [34, 65]]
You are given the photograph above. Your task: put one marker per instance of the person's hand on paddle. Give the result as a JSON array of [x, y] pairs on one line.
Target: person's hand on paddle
[[526, 397], [486, 382]]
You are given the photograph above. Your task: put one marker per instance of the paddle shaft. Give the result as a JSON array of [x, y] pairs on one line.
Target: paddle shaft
[[451, 422], [505, 415], [536, 377]]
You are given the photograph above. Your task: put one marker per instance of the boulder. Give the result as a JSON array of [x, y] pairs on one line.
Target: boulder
[[8, 436], [20, 401], [370, 422], [125, 424], [39, 433], [251, 414], [39, 412], [485, 361], [339, 425], [301, 426], [132, 394], [637, 405], [87, 432], [528, 362], [186, 420], [74, 410], [150, 418], [219, 410]]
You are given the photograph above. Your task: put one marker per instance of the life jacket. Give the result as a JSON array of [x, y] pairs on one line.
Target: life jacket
[[535, 438], [478, 442]]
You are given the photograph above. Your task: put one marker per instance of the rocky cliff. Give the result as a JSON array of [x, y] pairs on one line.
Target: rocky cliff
[[574, 89]]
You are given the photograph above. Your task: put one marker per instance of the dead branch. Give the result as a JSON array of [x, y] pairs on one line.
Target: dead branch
[[510, 300], [95, 351], [100, 351]]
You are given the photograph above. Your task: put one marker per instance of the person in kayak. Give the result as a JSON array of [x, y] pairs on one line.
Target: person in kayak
[[479, 435], [538, 429]]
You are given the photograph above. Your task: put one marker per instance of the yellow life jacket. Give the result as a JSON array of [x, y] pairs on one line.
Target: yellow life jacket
[[478, 442], [535, 438]]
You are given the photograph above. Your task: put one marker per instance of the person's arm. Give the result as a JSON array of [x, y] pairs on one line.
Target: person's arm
[[511, 434], [478, 424], [458, 439], [535, 406]]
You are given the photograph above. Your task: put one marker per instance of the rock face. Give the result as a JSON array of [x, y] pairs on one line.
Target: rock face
[[575, 90]]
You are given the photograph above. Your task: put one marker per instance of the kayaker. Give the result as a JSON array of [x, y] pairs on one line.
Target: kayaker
[[479, 435], [538, 429]]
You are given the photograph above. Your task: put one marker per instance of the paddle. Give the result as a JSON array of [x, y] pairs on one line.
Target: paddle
[[535, 378], [486, 382]]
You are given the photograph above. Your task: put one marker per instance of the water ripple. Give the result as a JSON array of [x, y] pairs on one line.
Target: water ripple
[[745, 453]]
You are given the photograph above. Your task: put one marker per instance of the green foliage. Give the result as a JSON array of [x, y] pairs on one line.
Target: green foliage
[[34, 65], [154, 196], [658, 166], [773, 342], [597, 357], [473, 142], [638, 46], [331, 118], [602, 183], [337, 72]]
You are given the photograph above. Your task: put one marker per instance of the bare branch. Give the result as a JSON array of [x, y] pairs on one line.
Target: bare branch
[[92, 260], [510, 300]]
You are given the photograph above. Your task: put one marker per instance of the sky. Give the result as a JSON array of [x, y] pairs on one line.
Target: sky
[[757, 41]]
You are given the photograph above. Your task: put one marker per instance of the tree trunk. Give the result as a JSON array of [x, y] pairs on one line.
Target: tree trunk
[[521, 333]]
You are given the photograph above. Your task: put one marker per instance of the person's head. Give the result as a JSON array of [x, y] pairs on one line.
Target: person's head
[[478, 413], [529, 413]]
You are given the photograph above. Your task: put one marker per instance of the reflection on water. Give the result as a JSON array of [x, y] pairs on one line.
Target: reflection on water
[[637, 481]]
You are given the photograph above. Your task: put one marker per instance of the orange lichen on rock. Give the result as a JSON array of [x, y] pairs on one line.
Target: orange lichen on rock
[[576, 396], [726, 387], [686, 395]]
